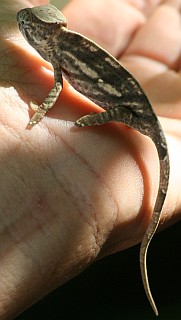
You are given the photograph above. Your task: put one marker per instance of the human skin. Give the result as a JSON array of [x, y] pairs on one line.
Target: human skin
[[69, 196]]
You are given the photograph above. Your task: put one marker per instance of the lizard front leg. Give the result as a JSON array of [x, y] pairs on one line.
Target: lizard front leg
[[49, 101]]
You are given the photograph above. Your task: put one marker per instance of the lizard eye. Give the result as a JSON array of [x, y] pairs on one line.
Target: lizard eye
[[23, 17]]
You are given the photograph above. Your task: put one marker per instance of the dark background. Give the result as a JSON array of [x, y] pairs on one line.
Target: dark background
[[112, 288]]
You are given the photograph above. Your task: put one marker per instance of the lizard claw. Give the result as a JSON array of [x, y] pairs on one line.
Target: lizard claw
[[87, 120], [36, 117]]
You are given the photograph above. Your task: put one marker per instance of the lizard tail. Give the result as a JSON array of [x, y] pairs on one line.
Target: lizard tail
[[163, 186]]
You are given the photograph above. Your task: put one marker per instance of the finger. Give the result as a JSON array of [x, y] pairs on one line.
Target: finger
[[159, 40], [156, 48], [38, 2], [111, 24], [145, 6]]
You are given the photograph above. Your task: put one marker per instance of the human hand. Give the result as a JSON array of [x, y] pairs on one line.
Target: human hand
[[65, 192]]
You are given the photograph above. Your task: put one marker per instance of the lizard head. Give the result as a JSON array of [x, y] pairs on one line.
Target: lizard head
[[31, 21]]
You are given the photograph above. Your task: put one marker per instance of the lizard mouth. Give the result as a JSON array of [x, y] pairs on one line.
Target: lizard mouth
[[24, 32]]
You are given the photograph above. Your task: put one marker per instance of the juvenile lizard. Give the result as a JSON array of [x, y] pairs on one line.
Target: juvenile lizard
[[100, 77]]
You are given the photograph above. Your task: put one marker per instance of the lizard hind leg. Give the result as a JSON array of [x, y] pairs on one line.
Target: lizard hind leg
[[118, 114]]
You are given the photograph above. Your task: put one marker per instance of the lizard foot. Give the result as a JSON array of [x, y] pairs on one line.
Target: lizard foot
[[39, 114], [93, 119]]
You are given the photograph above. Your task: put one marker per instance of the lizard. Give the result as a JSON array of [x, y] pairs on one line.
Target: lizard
[[97, 75]]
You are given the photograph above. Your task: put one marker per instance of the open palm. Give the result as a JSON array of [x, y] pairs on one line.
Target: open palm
[[68, 195]]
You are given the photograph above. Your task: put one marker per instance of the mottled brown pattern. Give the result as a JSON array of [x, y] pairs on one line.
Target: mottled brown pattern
[[100, 77]]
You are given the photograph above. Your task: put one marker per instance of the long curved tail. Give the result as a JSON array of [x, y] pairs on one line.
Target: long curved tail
[[160, 143]]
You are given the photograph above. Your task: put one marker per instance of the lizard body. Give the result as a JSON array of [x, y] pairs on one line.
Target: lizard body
[[100, 77]]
